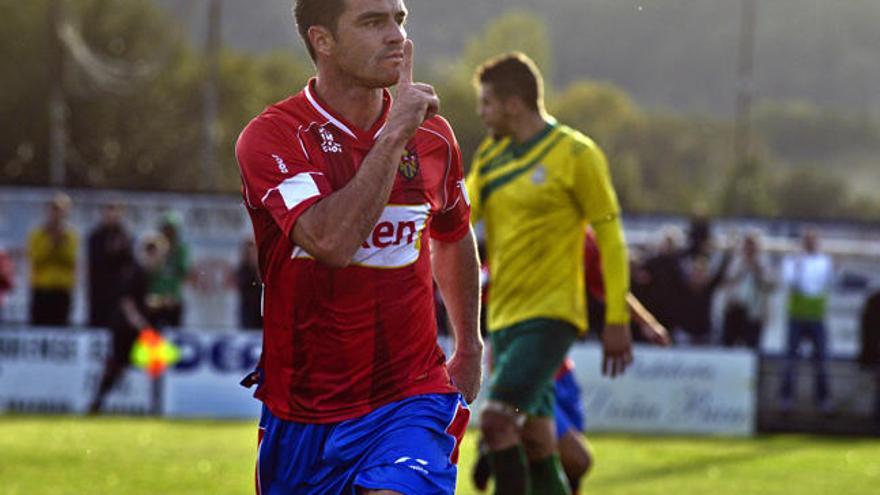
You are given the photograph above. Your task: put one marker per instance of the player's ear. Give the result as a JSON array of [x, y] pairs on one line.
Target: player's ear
[[322, 40], [512, 104]]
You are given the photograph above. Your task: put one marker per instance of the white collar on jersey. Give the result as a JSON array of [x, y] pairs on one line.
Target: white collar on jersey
[[329, 116]]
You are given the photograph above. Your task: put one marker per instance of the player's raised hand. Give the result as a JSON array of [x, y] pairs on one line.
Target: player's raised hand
[[616, 349], [414, 102]]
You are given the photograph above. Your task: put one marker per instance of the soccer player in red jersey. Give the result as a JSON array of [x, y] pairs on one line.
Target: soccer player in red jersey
[[357, 202]]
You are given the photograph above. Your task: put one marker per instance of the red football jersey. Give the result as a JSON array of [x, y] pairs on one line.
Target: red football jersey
[[338, 343], [593, 267]]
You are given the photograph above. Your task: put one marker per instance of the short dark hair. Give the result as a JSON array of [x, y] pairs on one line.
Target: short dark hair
[[308, 13], [514, 74]]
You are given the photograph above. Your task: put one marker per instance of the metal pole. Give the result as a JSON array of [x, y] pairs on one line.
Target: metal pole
[[57, 110], [211, 98], [745, 83]]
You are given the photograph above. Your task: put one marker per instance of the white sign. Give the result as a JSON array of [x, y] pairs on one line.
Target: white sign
[[710, 391], [58, 371], [704, 391], [205, 382]]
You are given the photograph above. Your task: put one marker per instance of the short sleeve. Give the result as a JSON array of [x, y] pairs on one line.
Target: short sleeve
[[592, 187], [276, 174], [453, 222]]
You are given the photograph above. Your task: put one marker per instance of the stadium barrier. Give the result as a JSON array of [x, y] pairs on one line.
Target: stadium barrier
[[671, 391], [854, 407], [58, 371], [666, 391]]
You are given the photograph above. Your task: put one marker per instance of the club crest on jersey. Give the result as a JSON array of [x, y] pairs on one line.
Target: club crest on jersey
[[409, 165], [539, 175], [328, 144]]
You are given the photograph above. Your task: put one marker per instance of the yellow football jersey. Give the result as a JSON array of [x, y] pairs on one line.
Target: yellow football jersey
[[535, 200]]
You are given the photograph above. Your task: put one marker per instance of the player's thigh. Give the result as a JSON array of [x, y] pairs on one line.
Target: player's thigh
[[527, 357], [415, 448]]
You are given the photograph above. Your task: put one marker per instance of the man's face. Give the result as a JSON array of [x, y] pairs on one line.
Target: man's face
[[493, 112], [750, 247], [368, 45], [811, 242], [111, 214], [56, 214]]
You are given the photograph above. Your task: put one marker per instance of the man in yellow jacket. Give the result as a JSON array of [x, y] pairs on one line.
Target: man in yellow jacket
[[52, 249]]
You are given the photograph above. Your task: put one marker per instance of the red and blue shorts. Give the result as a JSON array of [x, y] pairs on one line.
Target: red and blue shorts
[[410, 446], [569, 408]]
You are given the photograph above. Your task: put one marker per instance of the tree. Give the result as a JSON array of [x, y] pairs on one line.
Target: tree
[[25, 124], [601, 110], [247, 85], [808, 193], [513, 31], [748, 191], [132, 88]]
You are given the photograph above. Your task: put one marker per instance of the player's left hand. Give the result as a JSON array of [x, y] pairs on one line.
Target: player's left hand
[[466, 370], [616, 349]]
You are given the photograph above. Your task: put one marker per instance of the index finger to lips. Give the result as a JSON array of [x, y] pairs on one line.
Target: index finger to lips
[[406, 76]]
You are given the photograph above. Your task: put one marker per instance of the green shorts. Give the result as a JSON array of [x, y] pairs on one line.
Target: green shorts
[[525, 359]]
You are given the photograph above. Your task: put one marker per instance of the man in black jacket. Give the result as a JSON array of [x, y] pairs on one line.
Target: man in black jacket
[[109, 245], [870, 357]]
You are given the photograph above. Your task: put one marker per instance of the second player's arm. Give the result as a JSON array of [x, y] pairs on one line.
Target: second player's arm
[[616, 337], [457, 273]]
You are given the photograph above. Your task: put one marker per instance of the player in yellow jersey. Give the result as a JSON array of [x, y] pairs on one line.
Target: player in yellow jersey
[[536, 184]]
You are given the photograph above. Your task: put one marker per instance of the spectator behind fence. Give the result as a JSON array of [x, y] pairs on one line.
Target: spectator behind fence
[[677, 283], [109, 249], [131, 312], [747, 286], [52, 249], [660, 282], [153, 259], [870, 330], [807, 276], [250, 288], [166, 280], [7, 279], [700, 285], [870, 355]]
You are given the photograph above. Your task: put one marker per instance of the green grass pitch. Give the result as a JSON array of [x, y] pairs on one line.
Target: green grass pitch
[[83, 456]]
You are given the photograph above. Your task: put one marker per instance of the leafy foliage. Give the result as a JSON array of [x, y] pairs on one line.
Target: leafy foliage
[[143, 129]]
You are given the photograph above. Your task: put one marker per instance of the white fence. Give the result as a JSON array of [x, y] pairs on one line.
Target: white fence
[[666, 391]]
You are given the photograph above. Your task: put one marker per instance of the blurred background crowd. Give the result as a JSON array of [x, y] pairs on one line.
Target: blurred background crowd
[[721, 283]]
